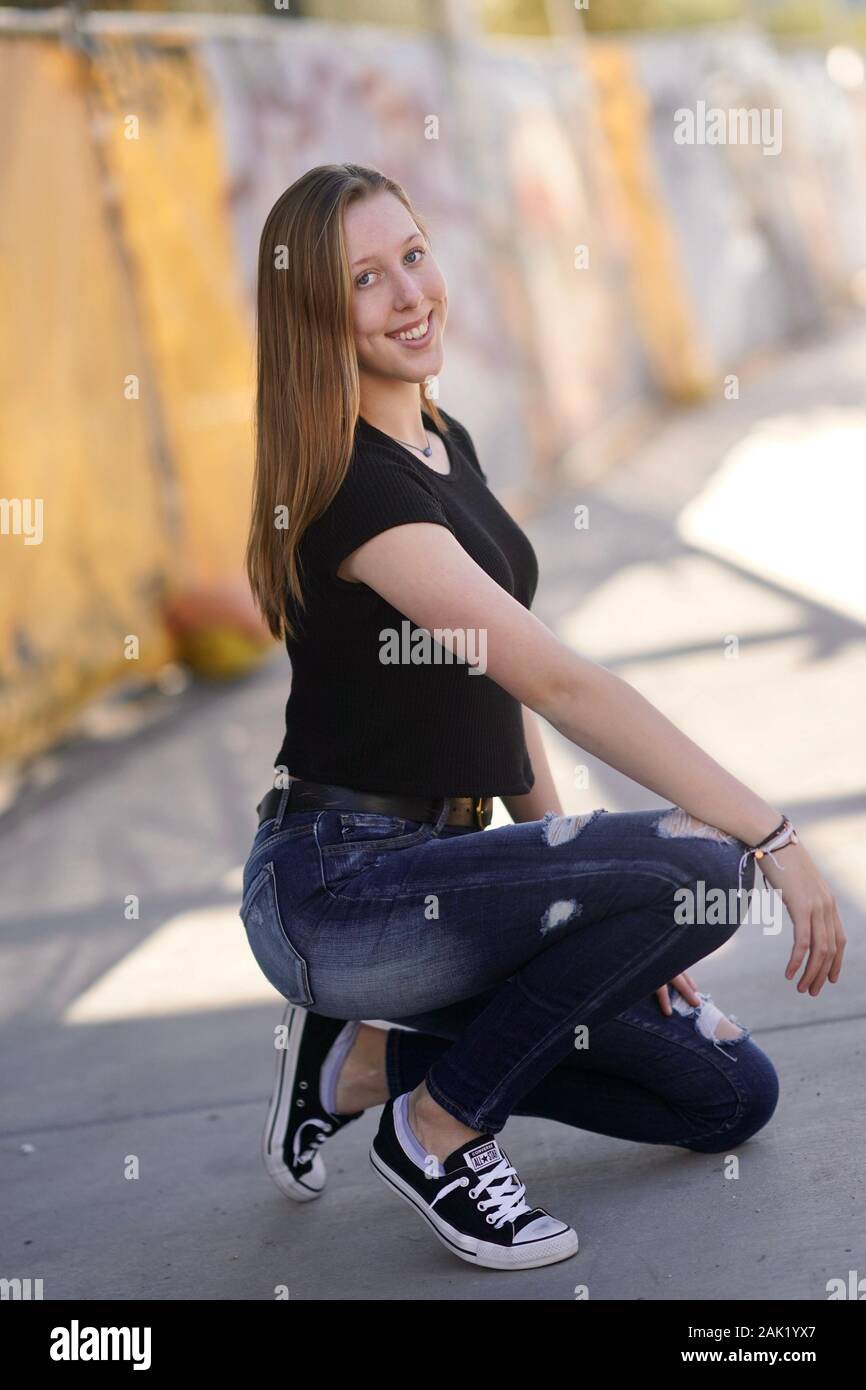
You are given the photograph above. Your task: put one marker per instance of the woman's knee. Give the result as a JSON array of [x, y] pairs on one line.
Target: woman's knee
[[757, 1095], [709, 861]]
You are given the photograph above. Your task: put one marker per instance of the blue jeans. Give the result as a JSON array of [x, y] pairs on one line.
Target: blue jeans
[[526, 956]]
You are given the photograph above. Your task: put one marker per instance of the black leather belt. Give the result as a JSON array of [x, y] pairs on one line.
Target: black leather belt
[[319, 796]]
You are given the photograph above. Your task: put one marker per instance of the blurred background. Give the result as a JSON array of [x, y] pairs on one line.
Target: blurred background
[[599, 271], [658, 343]]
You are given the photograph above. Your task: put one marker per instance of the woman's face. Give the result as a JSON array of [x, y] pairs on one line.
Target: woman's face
[[396, 284]]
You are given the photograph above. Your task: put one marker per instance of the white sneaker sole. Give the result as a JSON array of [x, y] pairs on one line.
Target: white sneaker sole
[[481, 1252], [277, 1123]]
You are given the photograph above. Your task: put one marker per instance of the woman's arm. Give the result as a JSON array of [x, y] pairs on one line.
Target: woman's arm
[[422, 570], [543, 796]]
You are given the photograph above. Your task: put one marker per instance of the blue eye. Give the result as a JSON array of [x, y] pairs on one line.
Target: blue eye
[[415, 250]]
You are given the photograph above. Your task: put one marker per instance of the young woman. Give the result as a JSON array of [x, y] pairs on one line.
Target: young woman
[[540, 968]]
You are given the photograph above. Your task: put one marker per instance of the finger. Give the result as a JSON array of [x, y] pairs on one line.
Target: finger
[[802, 936], [688, 989], [664, 1001], [829, 954], [841, 943], [817, 948]]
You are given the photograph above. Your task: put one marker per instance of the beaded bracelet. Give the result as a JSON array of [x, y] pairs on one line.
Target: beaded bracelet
[[784, 834]]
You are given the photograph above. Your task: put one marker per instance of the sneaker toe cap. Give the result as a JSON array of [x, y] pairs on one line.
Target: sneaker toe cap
[[542, 1228]]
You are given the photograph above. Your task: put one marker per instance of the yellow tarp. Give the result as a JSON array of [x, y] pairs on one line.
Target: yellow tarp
[[164, 152], [680, 358], [68, 438]]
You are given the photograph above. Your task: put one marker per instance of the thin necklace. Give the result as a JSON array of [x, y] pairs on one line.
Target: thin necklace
[[426, 452]]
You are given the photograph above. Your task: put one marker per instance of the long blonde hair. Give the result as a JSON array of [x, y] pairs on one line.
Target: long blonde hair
[[307, 384]]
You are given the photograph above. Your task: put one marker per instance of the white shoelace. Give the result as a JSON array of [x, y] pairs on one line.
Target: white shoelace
[[505, 1193], [312, 1148]]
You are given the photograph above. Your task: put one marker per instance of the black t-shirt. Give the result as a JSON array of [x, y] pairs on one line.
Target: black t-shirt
[[421, 729]]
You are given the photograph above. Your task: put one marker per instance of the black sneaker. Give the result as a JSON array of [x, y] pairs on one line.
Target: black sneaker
[[476, 1205], [298, 1123]]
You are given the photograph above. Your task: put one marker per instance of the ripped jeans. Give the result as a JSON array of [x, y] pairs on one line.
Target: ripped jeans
[[527, 956]]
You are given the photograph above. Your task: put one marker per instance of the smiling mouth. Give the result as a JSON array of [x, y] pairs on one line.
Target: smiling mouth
[[415, 337]]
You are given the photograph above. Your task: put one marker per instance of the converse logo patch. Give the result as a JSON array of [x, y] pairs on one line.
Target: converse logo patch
[[484, 1156]]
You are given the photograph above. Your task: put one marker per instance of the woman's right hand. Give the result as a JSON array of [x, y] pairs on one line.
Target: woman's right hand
[[812, 909]]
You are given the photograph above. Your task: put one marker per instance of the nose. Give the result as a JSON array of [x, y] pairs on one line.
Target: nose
[[407, 292]]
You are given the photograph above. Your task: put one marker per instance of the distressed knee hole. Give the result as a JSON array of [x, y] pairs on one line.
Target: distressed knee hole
[[678, 822], [561, 911], [710, 1022], [557, 830]]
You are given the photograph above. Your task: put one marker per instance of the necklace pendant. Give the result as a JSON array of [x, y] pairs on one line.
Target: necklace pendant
[[428, 451]]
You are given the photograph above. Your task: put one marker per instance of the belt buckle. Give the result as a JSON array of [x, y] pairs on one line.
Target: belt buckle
[[478, 810]]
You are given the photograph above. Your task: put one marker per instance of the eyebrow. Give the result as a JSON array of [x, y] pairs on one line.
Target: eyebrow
[[410, 237]]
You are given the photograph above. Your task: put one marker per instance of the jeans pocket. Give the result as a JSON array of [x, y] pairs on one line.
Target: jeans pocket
[[360, 828], [352, 843], [277, 957]]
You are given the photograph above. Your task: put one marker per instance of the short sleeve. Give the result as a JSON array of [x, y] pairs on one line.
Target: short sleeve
[[378, 493]]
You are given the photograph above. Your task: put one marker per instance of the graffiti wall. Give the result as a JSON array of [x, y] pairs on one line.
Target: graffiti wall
[[595, 261]]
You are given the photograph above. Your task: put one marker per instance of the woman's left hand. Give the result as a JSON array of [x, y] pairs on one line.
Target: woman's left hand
[[686, 987]]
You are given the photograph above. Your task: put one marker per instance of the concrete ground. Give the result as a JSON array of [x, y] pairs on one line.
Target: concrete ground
[[140, 1041]]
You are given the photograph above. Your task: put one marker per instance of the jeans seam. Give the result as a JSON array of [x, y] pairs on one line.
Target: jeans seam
[[422, 891], [491, 1099], [730, 1076]]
